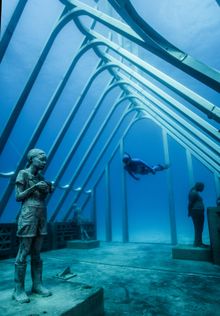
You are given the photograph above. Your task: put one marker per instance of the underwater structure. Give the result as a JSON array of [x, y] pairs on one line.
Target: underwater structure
[[122, 96]]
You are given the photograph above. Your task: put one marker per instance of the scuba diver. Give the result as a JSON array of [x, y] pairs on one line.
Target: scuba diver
[[137, 166]]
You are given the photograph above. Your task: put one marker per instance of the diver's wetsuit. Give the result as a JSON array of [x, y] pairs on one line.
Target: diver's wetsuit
[[137, 166]]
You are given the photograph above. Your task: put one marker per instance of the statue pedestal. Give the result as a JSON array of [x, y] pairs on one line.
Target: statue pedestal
[[83, 244], [68, 298], [188, 252], [214, 232]]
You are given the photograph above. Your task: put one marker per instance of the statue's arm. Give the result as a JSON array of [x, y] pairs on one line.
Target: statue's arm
[[21, 194], [193, 196]]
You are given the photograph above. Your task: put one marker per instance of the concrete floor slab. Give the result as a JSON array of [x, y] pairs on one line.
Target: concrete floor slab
[[83, 244], [138, 279], [69, 298]]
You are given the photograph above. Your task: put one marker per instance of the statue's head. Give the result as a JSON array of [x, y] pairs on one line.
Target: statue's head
[[199, 186], [36, 157]]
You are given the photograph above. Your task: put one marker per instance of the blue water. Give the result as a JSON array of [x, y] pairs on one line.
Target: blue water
[[147, 201]]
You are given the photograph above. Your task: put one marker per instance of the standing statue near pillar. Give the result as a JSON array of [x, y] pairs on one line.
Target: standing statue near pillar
[[31, 191], [196, 212], [79, 221]]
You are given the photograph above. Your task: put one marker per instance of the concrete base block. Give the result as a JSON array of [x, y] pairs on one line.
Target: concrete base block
[[188, 252], [83, 244], [75, 299], [214, 232]]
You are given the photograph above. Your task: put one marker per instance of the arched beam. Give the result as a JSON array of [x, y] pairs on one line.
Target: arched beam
[[164, 49], [11, 27], [93, 143]]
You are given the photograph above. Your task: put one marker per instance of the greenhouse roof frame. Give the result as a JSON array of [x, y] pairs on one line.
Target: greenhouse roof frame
[[182, 125]]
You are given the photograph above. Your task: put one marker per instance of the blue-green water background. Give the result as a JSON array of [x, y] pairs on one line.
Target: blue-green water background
[[194, 27]]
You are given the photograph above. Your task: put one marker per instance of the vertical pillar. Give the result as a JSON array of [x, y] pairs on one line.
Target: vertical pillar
[[190, 168], [125, 233], [93, 210], [170, 190], [108, 214], [217, 184]]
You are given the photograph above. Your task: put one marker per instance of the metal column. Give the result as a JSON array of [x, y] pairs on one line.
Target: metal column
[[170, 190], [125, 232], [108, 215], [190, 167]]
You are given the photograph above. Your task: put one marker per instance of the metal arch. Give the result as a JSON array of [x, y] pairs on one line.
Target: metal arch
[[196, 119], [93, 143], [46, 115], [178, 136], [212, 165], [98, 42], [194, 148], [202, 104], [77, 197], [149, 97], [183, 142], [76, 107], [164, 49], [125, 113], [212, 111], [113, 153], [62, 21], [80, 136], [212, 148], [11, 27], [67, 17], [60, 136], [29, 84], [60, 204], [188, 64], [112, 23], [174, 103], [174, 134], [206, 140], [108, 65], [169, 118], [111, 86]]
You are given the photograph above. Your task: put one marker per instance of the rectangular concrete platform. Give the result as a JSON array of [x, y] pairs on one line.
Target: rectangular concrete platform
[[75, 299], [214, 232], [188, 252], [83, 244]]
